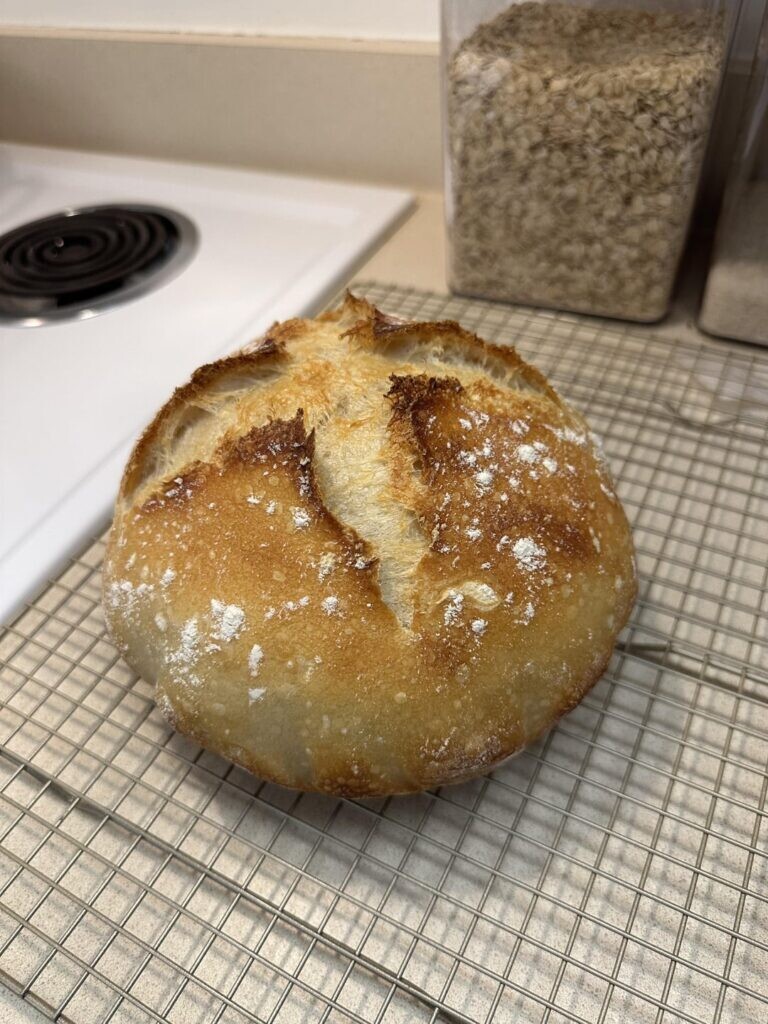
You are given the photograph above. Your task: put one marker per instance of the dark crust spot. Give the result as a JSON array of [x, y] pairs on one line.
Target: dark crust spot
[[276, 437], [413, 400], [408, 394]]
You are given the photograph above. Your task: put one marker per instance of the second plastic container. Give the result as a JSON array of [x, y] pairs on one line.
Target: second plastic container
[[736, 296]]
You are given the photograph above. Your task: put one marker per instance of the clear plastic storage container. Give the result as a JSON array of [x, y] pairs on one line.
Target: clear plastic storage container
[[574, 139], [736, 296]]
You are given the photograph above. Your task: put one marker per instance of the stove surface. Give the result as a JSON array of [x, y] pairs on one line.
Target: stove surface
[[74, 393], [79, 263]]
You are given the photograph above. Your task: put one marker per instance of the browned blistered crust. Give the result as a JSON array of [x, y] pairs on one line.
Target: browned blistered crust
[[200, 384], [260, 613]]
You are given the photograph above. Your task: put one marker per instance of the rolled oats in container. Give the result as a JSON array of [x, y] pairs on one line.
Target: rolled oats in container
[[575, 137]]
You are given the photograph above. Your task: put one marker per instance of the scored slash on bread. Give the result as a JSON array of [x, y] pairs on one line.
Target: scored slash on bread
[[367, 556]]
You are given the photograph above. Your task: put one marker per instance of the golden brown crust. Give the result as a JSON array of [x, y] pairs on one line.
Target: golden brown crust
[[200, 384], [386, 332], [367, 556]]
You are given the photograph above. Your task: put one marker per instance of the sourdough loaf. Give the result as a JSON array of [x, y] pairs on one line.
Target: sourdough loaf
[[367, 556]]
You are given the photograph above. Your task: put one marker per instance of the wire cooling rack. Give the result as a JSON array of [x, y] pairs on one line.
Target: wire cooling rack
[[615, 872]]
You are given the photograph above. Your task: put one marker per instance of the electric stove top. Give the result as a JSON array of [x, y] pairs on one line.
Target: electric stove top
[[118, 276]]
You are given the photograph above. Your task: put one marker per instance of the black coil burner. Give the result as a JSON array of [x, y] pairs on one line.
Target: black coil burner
[[78, 263]]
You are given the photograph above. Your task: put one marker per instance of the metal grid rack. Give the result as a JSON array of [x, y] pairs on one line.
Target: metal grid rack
[[616, 871]]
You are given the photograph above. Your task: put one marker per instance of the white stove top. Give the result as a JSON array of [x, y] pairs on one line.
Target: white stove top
[[74, 395]]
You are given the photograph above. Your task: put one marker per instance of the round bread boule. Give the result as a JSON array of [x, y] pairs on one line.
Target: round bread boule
[[367, 556]]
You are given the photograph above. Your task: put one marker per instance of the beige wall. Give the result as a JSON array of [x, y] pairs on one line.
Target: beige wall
[[342, 19], [366, 111], [363, 111]]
